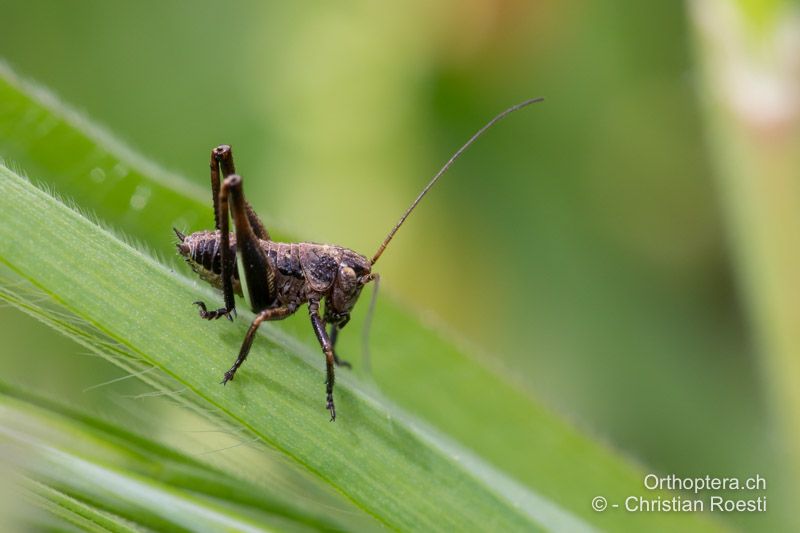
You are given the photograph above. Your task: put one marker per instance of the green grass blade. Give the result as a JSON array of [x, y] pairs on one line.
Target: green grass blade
[[369, 454], [83, 516], [78, 437], [92, 471], [262, 479], [277, 394]]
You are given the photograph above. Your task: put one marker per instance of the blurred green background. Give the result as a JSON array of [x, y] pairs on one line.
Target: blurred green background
[[580, 246]]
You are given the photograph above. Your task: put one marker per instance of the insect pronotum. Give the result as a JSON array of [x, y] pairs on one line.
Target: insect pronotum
[[277, 278]]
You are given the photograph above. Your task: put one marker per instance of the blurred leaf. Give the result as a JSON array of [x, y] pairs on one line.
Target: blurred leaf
[[84, 517], [115, 479], [397, 471], [754, 138]]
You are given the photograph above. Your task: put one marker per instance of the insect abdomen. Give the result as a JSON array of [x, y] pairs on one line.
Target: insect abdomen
[[202, 251], [207, 254]]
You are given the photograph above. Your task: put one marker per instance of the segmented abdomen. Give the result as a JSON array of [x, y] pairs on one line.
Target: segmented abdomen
[[205, 252]]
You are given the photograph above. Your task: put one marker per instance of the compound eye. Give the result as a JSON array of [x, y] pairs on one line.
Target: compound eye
[[347, 276]]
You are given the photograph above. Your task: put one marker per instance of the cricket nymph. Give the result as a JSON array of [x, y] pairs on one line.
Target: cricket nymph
[[301, 271], [278, 278]]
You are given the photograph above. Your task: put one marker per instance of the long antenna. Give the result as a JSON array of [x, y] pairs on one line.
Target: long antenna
[[444, 169]]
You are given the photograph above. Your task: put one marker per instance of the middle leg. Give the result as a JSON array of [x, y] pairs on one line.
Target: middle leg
[[276, 313]]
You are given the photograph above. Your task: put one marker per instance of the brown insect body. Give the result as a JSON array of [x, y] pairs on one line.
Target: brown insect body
[[302, 271], [278, 278]]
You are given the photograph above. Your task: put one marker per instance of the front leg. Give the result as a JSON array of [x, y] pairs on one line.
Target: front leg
[[334, 334], [327, 348], [337, 322]]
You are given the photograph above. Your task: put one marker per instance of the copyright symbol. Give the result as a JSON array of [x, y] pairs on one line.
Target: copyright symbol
[[599, 504]]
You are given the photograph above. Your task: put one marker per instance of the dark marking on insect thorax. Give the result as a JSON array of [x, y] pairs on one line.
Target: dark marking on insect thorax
[[320, 262]]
